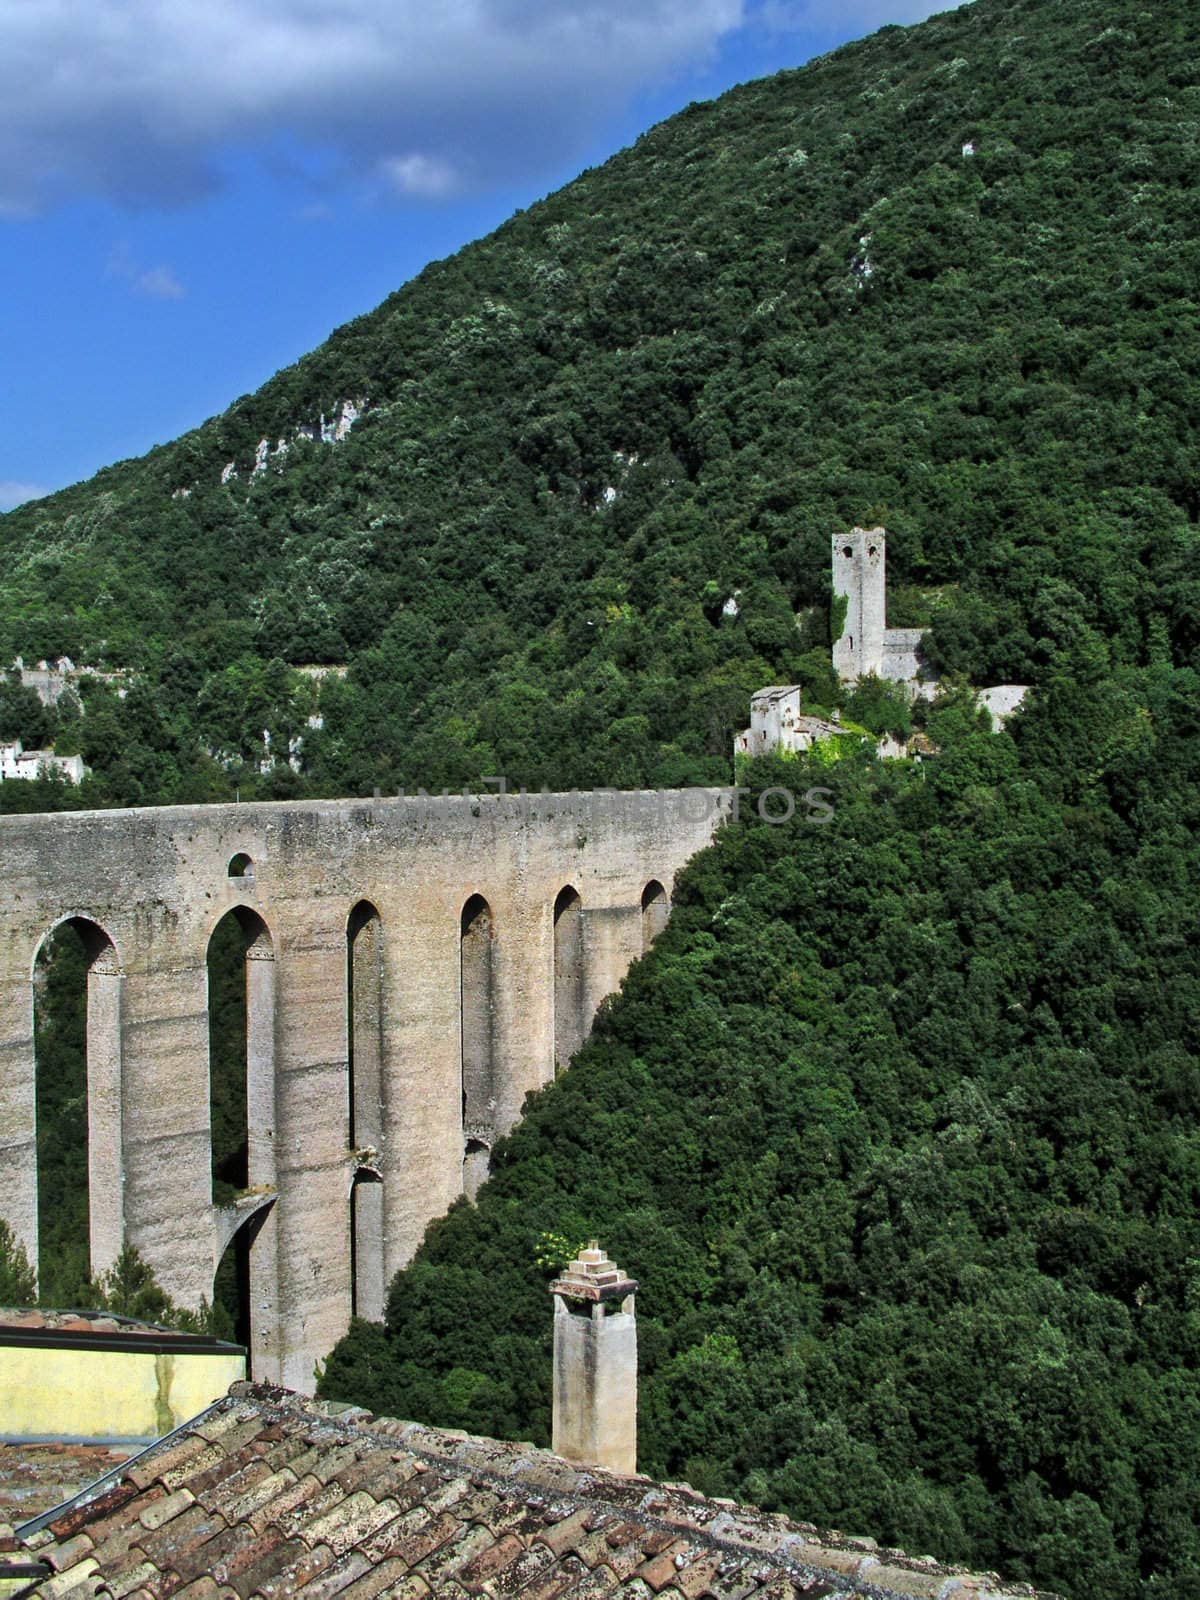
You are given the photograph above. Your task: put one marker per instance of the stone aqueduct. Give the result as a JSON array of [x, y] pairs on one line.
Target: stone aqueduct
[[414, 967]]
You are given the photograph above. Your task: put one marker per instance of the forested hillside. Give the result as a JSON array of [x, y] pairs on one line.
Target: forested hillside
[[899, 1123], [898, 1126], [943, 279]]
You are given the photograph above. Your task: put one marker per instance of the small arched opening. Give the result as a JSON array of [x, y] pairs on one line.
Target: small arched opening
[[364, 1049], [367, 1287], [477, 1162], [570, 1023], [240, 866], [477, 1031], [656, 908], [241, 1081], [233, 1286], [77, 1029]]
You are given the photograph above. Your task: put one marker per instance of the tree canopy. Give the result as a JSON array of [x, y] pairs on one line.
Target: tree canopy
[[943, 278], [898, 1126]]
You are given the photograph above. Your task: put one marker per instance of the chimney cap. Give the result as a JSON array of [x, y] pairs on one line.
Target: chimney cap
[[592, 1276]]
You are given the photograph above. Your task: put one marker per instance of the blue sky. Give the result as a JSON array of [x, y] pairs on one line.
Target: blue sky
[[195, 192]]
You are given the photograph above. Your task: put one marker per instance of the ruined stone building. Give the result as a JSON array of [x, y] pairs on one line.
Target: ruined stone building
[[778, 726], [58, 676], [867, 646]]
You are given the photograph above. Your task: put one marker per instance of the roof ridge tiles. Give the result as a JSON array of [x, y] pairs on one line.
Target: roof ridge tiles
[[737, 1533], [306, 1498]]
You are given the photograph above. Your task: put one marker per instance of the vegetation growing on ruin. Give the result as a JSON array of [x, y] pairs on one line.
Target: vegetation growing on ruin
[[796, 308], [838, 607]]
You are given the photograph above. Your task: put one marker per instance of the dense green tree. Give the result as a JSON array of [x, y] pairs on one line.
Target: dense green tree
[[23, 716], [896, 1127], [130, 1289], [17, 1286]]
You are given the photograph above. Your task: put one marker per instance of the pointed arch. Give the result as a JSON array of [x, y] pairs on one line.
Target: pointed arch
[[364, 1050], [477, 1022], [368, 1288], [78, 1094], [570, 1022], [238, 1230], [241, 1040], [656, 908]]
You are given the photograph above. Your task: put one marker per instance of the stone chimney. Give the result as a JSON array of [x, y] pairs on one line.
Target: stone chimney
[[595, 1364]]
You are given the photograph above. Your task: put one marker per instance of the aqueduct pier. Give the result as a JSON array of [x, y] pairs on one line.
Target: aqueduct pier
[[414, 967]]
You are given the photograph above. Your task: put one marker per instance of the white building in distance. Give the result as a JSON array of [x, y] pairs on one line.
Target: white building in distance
[[867, 647], [16, 762], [777, 726]]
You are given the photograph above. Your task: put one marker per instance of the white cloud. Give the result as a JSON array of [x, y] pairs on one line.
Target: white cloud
[[137, 100], [160, 283], [157, 283], [419, 175], [13, 493]]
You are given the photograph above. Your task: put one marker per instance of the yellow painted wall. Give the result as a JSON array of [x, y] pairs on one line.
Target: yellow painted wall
[[107, 1394]]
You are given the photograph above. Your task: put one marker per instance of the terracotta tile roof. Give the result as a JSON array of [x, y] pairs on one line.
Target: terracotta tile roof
[[267, 1494], [38, 1319], [97, 1330], [34, 1477]]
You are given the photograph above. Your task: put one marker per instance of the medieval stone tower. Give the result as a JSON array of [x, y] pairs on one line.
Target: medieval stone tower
[[858, 578]]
